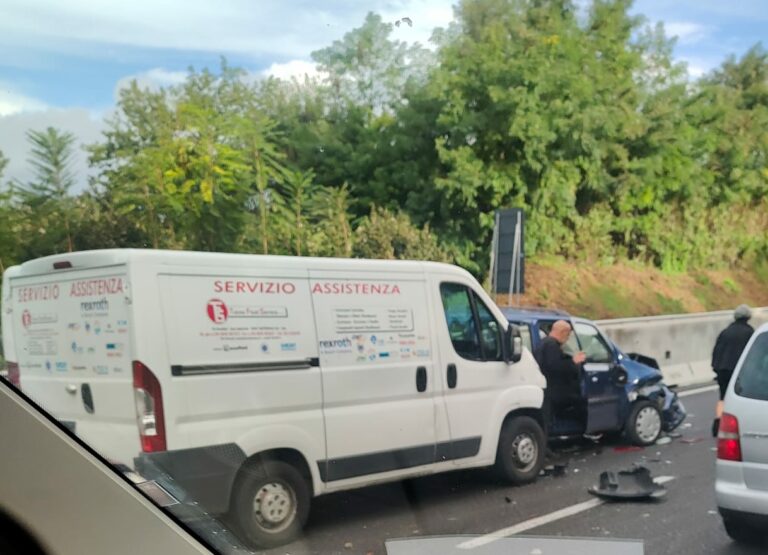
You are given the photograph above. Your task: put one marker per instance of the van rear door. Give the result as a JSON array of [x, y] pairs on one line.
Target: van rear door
[[72, 338]]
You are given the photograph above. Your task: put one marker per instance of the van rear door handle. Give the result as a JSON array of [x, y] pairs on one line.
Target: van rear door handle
[[452, 377], [421, 379]]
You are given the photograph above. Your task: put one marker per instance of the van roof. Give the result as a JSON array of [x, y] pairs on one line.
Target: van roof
[[110, 257]]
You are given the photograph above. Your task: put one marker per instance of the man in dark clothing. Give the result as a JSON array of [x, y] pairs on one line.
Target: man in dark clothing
[[561, 370], [728, 348]]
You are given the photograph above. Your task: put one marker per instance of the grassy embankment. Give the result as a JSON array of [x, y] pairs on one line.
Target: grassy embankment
[[629, 289]]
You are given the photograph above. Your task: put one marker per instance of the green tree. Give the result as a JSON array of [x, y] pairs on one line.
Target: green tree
[[185, 161], [257, 139], [9, 232], [130, 167], [540, 109], [298, 190], [332, 233], [582, 118], [46, 197], [387, 235], [345, 126], [367, 68]]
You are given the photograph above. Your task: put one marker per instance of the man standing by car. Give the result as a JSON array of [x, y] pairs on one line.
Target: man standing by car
[[561, 369], [728, 348]]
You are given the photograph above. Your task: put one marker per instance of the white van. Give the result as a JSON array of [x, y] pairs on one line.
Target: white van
[[257, 382]]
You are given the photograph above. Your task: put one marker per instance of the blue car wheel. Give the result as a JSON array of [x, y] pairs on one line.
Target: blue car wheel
[[644, 423]]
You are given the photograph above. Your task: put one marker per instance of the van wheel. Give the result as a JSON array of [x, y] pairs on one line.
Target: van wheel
[[643, 425], [270, 504], [521, 451]]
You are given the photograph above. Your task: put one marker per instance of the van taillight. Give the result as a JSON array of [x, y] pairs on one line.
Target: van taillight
[[13, 373], [149, 408], [728, 443]]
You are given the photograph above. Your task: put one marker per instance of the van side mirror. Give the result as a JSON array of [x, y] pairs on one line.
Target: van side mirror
[[513, 344]]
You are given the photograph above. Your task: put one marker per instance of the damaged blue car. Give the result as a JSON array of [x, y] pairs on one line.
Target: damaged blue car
[[622, 393]]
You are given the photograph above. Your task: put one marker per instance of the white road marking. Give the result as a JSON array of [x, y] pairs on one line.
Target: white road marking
[[697, 391], [542, 520]]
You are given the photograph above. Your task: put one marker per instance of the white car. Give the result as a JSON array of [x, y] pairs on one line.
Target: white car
[[741, 486]]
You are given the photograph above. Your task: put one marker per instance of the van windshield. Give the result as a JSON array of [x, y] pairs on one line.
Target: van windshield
[[752, 381]]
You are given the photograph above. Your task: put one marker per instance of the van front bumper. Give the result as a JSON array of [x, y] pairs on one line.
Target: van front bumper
[[203, 475]]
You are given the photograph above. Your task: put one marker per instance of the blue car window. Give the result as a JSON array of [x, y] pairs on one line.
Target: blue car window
[[592, 343], [571, 346]]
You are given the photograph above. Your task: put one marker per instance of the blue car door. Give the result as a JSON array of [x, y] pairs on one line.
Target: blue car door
[[604, 395]]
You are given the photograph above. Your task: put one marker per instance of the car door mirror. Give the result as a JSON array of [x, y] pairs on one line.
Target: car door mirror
[[619, 375], [513, 344]]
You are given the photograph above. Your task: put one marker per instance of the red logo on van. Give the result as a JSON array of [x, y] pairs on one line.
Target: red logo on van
[[26, 318], [217, 311]]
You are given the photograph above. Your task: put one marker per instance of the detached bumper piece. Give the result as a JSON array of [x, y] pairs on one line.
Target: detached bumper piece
[[634, 484]]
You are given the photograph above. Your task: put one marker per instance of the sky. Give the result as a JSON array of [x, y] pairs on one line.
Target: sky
[[62, 62]]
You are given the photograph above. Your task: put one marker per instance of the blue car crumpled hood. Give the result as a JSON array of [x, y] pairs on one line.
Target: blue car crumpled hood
[[639, 374], [645, 381]]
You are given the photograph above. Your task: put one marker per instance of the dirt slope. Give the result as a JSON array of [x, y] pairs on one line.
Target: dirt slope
[[628, 289]]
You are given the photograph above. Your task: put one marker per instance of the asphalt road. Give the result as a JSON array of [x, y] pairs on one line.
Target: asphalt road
[[474, 503]]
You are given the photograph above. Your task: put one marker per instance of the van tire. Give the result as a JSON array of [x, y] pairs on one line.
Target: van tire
[[521, 451], [279, 488], [638, 433]]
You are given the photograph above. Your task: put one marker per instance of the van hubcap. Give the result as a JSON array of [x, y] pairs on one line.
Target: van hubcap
[[274, 506], [524, 451], [648, 424]]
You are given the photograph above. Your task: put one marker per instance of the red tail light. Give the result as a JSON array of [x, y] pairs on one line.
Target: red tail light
[[13, 373], [728, 443], [149, 409]]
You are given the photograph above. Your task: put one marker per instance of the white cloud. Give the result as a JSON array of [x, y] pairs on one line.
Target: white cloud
[[13, 142], [698, 66], [275, 28], [294, 68], [696, 71], [152, 79], [13, 102], [687, 32]]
